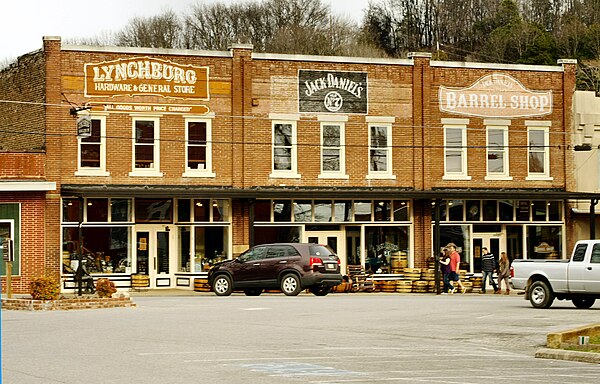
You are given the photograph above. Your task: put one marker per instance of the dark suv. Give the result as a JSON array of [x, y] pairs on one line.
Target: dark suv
[[290, 267]]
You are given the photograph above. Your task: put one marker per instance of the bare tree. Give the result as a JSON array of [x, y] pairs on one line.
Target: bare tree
[[161, 31]]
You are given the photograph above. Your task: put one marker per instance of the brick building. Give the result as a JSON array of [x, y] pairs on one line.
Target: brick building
[[192, 156]]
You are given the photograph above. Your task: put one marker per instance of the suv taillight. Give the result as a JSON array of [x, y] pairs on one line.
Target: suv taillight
[[315, 262]]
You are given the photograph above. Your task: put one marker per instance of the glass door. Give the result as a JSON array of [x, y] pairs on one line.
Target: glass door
[[491, 242], [334, 239], [154, 250]]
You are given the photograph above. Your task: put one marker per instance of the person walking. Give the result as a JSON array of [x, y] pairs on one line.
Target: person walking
[[454, 276], [503, 273], [445, 268], [488, 266]]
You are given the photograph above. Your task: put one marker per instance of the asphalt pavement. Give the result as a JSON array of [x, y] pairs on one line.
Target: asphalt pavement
[[339, 338]]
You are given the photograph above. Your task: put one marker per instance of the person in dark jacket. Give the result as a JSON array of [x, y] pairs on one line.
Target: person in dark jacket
[[446, 269], [488, 266]]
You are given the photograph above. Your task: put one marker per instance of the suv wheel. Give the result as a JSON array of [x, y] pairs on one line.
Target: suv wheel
[[222, 285], [290, 285], [320, 290]]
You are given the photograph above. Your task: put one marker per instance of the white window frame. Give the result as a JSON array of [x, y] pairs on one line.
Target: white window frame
[[385, 122], [545, 127], [462, 125], [292, 120], [153, 171], [94, 171], [339, 121], [498, 125], [207, 171]]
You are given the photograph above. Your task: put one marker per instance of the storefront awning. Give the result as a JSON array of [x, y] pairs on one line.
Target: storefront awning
[[287, 192]]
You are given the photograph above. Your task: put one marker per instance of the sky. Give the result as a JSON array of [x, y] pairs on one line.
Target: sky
[[23, 23]]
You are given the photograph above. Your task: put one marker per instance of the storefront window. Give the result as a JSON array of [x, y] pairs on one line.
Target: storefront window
[[554, 211], [490, 210], [184, 249], [211, 245], [544, 242], [383, 210], [342, 211], [220, 210], [153, 210], [201, 210], [539, 210], [514, 241], [473, 210], [323, 211], [303, 211], [71, 210], [276, 234], [506, 210], [382, 243], [523, 210], [104, 249], [456, 210], [442, 208], [97, 210], [262, 210], [120, 209], [184, 213], [362, 210], [460, 235], [282, 210], [401, 212]]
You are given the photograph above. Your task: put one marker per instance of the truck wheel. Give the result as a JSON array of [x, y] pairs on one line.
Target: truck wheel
[[540, 295], [290, 284], [583, 302]]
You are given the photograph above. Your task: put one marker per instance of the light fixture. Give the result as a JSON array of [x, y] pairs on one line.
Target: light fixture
[[199, 204]]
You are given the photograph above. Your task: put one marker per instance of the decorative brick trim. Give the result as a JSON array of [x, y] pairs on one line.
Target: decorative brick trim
[[66, 304]]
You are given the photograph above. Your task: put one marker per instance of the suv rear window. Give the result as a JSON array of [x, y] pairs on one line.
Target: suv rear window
[[319, 250]]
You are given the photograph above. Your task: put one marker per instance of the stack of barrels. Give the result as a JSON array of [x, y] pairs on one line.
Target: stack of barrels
[[398, 262], [201, 285]]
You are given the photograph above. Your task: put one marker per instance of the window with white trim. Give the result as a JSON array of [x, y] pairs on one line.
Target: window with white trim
[[285, 151], [333, 159], [497, 149], [380, 149], [146, 147], [455, 150], [92, 150], [198, 154], [538, 152]]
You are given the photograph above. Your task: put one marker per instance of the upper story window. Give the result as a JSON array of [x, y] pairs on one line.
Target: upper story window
[[380, 147], [198, 155], [497, 149], [285, 151], [92, 150], [333, 159], [146, 147], [455, 149], [538, 159]]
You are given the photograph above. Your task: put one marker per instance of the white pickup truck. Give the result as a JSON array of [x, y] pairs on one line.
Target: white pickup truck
[[577, 279]]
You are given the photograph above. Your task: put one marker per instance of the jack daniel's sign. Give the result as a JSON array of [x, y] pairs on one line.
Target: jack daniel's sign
[[332, 91]]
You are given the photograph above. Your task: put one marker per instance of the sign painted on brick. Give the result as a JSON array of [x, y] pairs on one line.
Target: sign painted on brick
[[146, 76], [495, 95], [332, 91]]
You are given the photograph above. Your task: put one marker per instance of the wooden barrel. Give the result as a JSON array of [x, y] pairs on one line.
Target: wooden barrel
[[201, 285], [420, 286], [404, 286], [395, 262], [413, 274], [140, 281]]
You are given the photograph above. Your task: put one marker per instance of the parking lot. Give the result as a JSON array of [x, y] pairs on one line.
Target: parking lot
[[340, 338]]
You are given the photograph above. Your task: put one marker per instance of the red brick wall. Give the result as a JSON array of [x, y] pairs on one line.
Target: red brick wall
[[21, 165]]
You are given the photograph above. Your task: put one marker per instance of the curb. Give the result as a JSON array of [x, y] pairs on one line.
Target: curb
[[561, 354]]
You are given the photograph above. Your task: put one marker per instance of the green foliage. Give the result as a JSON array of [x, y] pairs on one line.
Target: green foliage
[[105, 287], [45, 288]]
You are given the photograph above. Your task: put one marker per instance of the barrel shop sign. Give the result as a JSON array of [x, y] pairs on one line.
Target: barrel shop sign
[[332, 91], [146, 76], [495, 95]]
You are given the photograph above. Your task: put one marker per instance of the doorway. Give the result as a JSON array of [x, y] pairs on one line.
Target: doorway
[[154, 248], [492, 241], [334, 239]]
